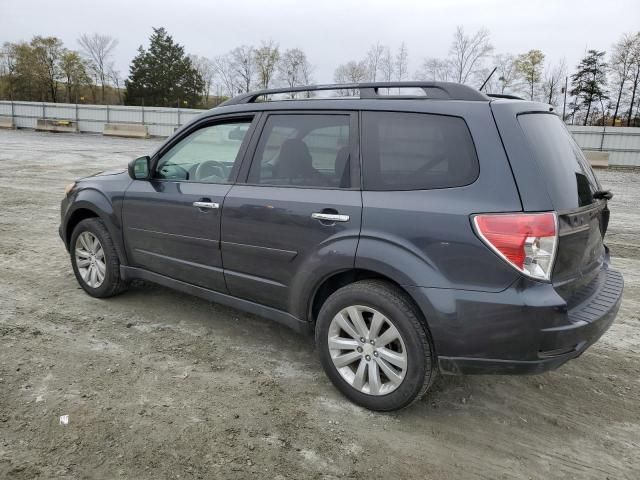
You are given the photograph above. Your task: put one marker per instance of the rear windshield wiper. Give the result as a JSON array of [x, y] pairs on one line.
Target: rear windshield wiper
[[600, 194]]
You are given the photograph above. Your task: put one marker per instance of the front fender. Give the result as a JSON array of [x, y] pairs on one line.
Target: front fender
[[101, 206]]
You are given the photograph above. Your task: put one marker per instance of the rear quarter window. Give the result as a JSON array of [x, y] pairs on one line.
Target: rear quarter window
[[415, 151], [567, 174]]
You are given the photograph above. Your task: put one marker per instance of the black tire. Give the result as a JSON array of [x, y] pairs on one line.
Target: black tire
[[112, 283], [401, 311]]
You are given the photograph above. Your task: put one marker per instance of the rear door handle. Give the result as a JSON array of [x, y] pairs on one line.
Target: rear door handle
[[330, 217], [207, 205]]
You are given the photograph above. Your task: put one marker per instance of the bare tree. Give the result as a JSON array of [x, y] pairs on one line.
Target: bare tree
[[242, 62], [621, 63], [207, 71], [387, 68], [552, 84], [351, 72], [307, 75], [374, 60], [294, 68], [635, 77], [435, 70], [507, 72], [116, 80], [468, 51], [99, 50], [229, 81], [266, 59], [402, 62]]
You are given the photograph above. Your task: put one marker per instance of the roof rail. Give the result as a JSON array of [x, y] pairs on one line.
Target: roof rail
[[434, 90], [504, 95]]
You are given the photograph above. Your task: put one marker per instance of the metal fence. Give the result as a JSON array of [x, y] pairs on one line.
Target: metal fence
[[622, 143], [91, 118]]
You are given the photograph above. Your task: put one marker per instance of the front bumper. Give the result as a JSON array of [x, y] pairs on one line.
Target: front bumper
[[521, 330]]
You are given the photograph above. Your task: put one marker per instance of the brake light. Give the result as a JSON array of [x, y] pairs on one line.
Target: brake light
[[527, 241]]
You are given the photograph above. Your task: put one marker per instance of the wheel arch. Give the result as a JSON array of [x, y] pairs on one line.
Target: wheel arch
[[75, 218], [90, 203], [337, 280]]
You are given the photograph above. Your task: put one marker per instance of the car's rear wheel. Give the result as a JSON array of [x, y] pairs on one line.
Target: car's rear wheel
[[374, 345], [95, 260]]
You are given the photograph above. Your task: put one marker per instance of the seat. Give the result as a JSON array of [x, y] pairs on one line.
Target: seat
[[294, 165]]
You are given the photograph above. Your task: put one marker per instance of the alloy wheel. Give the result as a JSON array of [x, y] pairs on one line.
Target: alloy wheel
[[90, 259], [367, 350]]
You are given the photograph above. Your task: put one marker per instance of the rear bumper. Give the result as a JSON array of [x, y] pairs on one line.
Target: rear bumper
[[521, 330]]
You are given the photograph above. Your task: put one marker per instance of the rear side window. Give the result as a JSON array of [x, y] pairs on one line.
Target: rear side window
[[304, 150], [415, 151], [569, 178]]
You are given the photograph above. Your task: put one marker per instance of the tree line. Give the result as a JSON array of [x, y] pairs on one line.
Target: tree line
[[602, 89]]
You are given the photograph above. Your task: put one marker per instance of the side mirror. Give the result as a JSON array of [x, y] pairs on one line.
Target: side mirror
[[139, 168]]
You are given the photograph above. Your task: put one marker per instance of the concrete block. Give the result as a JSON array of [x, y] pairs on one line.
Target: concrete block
[[597, 159], [53, 125], [7, 123], [132, 130]]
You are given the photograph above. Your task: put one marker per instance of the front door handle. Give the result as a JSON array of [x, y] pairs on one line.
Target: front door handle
[[206, 205], [330, 217]]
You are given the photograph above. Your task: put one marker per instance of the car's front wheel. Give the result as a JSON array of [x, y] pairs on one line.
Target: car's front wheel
[[95, 260], [374, 345]]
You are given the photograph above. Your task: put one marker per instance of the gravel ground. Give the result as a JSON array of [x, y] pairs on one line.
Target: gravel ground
[[158, 384]]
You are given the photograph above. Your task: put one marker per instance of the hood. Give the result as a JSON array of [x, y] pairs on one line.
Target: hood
[[107, 173]]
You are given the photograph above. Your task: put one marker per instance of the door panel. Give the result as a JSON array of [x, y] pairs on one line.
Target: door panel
[[270, 240], [172, 222], [165, 233]]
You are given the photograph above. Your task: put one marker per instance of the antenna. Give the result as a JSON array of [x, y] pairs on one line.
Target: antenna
[[488, 78]]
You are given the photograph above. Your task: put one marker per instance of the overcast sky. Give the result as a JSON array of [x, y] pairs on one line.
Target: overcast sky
[[330, 31]]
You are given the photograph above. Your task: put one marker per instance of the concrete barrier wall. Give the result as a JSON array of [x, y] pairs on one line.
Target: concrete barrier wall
[[49, 125], [132, 130]]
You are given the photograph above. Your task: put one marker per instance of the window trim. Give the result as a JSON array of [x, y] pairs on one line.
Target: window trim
[[209, 121], [412, 112], [354, 149]]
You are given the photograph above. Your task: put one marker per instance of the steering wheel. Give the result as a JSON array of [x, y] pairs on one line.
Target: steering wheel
[[211, 168], [173, 172]]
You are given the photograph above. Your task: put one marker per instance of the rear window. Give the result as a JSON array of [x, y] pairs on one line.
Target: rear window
[[415, 151], [568, 175]]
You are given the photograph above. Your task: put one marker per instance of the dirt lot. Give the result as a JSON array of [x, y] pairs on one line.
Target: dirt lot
[[162, 385]]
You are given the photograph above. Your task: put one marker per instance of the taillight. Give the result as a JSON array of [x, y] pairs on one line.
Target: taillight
[[527, 241]]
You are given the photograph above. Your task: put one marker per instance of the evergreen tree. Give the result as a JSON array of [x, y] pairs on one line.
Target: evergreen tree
[[590, 81], [163, 75]]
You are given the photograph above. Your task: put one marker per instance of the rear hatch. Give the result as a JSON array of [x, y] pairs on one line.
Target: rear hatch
[[570, 184]]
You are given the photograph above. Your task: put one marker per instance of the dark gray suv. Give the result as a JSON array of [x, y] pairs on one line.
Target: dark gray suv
[[415, 228]]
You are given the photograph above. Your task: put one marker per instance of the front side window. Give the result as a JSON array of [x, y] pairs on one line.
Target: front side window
[[303, 150], [415, 151], [208, 155]]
